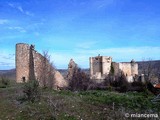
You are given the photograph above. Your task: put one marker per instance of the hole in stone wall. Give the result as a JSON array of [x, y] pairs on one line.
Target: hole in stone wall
[[24, 79]]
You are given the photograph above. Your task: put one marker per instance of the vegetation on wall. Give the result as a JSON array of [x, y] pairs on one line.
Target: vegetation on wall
[[112, 69]]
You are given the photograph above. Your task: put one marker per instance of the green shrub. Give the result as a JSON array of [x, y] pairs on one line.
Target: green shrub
[[4, 82], [31, 91]]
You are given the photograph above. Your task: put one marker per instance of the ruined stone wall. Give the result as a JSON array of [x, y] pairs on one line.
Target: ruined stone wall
[[32, 65], [44, 71], [106, 65], [38, 66], [29, 63], [134, 68], [97, 65], [100, 66], [22, 62], [72, 68], [117, 71], [127, 68]]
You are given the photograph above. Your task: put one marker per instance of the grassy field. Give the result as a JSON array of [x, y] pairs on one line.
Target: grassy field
[[67, 105]]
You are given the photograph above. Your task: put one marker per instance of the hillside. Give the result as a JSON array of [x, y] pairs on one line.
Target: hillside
[[154, 63], [67, 105], [11, 74], [154, 66]]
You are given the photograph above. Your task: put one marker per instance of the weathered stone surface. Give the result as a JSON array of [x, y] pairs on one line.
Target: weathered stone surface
[[32, 65], [72, 66], [127, 68], [100, 67], [22, 62], [60, 82]]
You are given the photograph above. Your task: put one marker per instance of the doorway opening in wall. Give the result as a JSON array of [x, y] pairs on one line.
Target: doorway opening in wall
[[24, 79]]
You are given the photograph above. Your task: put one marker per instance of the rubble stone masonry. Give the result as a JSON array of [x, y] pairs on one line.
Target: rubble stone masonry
[[32, 65], [100, 67]]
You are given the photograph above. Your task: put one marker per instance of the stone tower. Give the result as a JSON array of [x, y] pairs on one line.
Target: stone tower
[[100, 66], [31, 65], [22, 62]]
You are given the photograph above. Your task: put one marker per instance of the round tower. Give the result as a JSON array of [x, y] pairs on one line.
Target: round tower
[[22, 62]]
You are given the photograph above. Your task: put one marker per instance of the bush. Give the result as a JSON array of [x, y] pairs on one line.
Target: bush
[[80, 80], [123, 83], [109, 80], [119, 82], [4, 82], [31, 91], [137, 83]]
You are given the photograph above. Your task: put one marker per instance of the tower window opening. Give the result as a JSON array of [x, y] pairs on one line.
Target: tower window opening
[[24, 79]]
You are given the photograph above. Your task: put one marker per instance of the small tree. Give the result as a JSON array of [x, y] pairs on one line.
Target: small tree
[[123, 83], [51, 74], [79, 80], [47, 71], [4, 81], [147, 69], [119, 82], [31, 91]]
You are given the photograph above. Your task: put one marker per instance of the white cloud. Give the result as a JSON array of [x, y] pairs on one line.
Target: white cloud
[[3, 21], [102, 3], [7, 60], [20, 29], [126, 54], [86, 45], [36, 33], [29, 13], [19, 8], [61, 59], [81, 56], [11, 5]]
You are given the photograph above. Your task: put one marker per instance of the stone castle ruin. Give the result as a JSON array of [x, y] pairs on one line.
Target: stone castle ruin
[[31, 65], [101, 66]]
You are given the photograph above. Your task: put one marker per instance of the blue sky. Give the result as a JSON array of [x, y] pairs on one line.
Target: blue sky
[[79, 29]]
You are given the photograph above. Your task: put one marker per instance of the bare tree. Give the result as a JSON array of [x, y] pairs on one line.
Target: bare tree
[[147, 69], [51, 74], [47, 71], [79, 80], [151, 70]]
